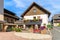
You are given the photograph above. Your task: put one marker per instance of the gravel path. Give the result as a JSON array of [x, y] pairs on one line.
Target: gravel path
[[9, 36]]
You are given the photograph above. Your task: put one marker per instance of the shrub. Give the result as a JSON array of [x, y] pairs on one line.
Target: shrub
[[13, 28], [18, 29], [49, 26]]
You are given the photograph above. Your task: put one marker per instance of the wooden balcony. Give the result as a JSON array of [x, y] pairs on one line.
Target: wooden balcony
[[57, 21], [32, 22]]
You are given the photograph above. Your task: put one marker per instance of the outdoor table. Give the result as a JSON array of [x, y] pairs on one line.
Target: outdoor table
[[34, 36]]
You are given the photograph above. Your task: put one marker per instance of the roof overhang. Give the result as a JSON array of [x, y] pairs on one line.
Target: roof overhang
[[39, 7]]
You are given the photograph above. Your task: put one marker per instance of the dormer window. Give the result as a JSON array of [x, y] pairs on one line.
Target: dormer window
[[34, 10]]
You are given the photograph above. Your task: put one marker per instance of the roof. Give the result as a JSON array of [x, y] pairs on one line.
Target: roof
[[39, 7], [56, 16], [7, 11], [16, 17]]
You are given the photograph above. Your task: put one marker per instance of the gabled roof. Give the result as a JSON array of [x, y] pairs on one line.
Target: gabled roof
[[39, 7], [56, 16], [11, 13], [7, 11]]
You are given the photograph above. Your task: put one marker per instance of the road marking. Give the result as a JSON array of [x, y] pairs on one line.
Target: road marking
[[56, 29]]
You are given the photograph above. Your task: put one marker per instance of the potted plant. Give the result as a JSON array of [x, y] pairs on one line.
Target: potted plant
[[43, 29], [31, 29], [49, 27], [13, 29]]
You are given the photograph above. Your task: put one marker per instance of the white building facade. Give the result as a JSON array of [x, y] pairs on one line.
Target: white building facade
[[44, 18], [36, 12]]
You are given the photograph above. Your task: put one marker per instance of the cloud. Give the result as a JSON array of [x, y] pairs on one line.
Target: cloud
[[19, 3], [51, 5], [55, 4]]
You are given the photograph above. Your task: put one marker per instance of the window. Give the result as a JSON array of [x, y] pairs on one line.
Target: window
[[12, 21], [38, 17], [34, 17], [7, 19], [34, 10], [59, 16]]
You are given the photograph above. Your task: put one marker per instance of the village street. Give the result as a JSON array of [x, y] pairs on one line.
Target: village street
[[56, 33], [10, 35]]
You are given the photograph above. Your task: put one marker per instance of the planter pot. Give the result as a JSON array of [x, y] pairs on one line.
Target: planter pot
[[43, 31], [31, 30]]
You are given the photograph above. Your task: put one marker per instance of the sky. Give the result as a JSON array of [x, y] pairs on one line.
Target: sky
[[19, 6]]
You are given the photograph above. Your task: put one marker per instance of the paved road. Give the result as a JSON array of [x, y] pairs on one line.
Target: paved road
[[56, 33], [9, 36]]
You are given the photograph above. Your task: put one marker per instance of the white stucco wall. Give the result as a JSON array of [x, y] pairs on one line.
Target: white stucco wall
[[1, 17], [55, 24], [44, 18], [1, 10]]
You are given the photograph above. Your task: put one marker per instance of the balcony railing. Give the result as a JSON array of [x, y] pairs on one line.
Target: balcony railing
[[32, 22]]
